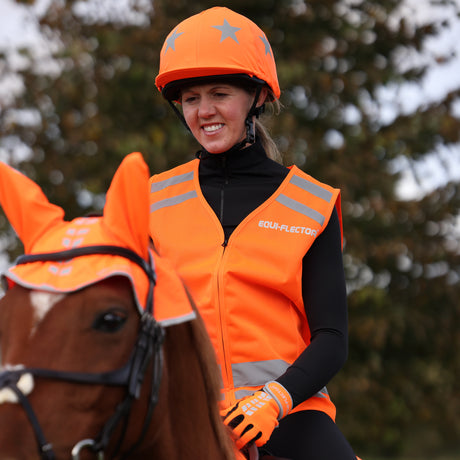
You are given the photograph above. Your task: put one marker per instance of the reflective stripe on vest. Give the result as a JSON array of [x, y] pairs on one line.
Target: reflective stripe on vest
[[309, 187], [300, 207], [314, 189], [258, 373], [173, 201], [157, 186]]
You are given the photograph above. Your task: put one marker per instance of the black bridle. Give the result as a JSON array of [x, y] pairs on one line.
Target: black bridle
[[148, 348]]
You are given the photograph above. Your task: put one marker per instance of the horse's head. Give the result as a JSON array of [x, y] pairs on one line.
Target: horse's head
[[82, 318]]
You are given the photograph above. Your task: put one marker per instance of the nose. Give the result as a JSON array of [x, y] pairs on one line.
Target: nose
[[206, 108]]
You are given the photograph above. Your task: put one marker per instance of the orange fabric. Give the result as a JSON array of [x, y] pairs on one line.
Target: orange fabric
[[18, 197], [41, 227], [248, 293], [217, 41]]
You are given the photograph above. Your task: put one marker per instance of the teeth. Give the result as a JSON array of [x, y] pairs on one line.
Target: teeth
[[211, 128]]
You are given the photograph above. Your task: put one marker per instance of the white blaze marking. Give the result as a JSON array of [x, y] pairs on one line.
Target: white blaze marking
[[42, 302]]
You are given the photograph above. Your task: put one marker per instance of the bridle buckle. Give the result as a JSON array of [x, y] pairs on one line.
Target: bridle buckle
[[85, 443]]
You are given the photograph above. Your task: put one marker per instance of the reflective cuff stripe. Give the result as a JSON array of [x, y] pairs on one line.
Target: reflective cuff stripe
[[173, 200], [258, 372], [300, 207], [157, 186], [281, 397], [312, 188]]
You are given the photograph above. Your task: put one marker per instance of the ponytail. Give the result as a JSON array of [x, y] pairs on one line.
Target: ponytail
[[269, 145]]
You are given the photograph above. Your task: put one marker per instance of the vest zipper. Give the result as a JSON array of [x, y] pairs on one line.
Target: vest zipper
[[222, 197], [226, 362]]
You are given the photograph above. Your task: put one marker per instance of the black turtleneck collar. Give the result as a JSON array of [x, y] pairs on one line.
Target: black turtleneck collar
[[251, 159], [236, 182]]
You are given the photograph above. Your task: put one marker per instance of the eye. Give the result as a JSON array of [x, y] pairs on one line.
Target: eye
[[110, 321], [189, 99]]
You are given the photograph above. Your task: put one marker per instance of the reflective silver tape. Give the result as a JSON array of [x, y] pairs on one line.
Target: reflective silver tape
[[157, 186], [256, 373], [243, 393], [173, 200], [323, 393], [302, 208], [312, 188]]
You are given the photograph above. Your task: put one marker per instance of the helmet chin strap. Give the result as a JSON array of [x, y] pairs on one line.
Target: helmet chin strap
[[254, 111], [250, 138]]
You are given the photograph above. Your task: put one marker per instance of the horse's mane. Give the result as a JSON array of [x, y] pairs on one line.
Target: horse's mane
[[213, 382], [193, 382]]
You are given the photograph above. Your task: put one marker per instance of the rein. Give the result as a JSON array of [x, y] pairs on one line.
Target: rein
[[148, 347]]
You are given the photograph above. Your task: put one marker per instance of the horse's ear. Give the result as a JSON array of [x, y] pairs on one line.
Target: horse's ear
[[26, 206], [126, 211]]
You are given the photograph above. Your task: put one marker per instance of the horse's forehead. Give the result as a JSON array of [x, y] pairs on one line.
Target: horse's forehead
[[42, 302]]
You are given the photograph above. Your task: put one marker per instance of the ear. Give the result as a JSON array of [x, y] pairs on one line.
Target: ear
[[126, 211], [263, 96], [26, 207]]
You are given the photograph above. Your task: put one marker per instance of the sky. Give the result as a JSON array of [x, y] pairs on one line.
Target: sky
[[18, 27]]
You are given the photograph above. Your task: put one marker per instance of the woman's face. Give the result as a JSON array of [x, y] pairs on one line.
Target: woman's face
[[216, 113]]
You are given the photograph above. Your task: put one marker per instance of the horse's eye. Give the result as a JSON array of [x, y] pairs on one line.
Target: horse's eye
[[110, 321]]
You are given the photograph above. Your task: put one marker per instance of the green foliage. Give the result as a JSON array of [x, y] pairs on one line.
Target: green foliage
[[398, 393]]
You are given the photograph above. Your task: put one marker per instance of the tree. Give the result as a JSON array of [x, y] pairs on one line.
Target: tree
[[397, 393]]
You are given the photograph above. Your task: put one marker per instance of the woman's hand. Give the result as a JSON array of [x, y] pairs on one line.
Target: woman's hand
[[253, 418]]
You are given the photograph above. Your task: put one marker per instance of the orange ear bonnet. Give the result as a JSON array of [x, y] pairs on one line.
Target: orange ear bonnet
[[41, 227]]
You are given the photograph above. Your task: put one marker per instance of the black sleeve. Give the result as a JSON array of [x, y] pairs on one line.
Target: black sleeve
[[324, 294]]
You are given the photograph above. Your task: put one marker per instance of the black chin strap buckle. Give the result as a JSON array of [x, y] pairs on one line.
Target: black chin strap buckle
[[250, 130], [254, 111]]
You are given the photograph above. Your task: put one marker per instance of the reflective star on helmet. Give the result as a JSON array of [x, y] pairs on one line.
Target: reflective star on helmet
[[228, 31], [171, 40], [268, 49]]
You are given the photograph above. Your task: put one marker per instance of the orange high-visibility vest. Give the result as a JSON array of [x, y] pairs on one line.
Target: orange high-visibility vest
[[249, 291]]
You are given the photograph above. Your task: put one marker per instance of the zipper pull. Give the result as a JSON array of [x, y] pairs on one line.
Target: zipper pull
[[224, 244]]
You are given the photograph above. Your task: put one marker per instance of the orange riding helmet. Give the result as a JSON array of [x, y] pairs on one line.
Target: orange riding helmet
[[216, 43]]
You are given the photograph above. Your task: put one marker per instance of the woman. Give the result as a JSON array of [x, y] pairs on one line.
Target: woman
[[258, 244]]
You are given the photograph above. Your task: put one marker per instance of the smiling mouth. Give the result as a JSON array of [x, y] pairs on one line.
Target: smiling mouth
[[212, 128]]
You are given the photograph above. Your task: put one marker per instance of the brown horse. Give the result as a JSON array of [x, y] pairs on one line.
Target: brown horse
[[102, 354]]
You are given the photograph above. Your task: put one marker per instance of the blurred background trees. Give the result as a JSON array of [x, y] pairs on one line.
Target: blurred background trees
[[90, 100]]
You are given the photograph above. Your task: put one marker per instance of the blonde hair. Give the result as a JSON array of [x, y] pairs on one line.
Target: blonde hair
[[269, 145]]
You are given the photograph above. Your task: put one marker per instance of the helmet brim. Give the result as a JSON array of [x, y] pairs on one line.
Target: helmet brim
[[172, 90]]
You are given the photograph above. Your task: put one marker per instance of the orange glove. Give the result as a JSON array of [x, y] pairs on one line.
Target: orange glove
[[253, 418]]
